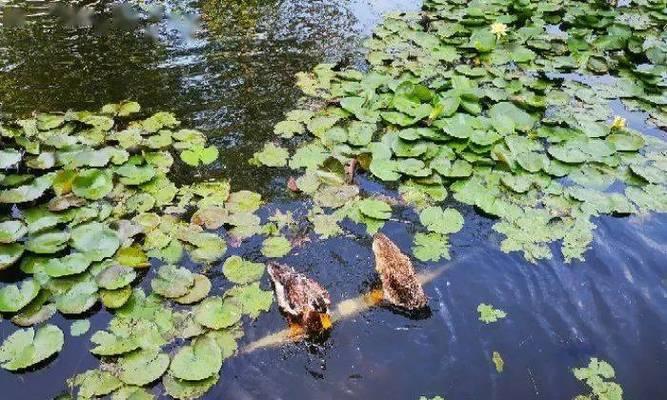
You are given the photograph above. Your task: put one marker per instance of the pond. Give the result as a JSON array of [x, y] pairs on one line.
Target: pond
[[227, 68]]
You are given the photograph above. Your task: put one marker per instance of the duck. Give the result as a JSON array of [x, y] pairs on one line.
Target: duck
[[302, 299], [400, 286]]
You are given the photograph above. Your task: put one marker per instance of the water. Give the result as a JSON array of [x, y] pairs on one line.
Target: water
[[233, 79]]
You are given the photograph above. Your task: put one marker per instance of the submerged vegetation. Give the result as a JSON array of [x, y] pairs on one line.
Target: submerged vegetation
[[507, 106]]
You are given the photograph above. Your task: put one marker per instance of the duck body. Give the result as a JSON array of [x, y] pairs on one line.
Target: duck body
[[304, 301], [400, 285]]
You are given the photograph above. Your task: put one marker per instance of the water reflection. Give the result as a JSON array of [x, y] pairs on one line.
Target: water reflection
[[233, 78]]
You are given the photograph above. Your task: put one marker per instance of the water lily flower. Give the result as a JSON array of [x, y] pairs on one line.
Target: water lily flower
[[499, 29], [618, 123]]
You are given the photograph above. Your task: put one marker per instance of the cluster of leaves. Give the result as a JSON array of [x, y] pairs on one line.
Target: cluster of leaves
[[488, 314], [499, 103], [599, 375], [86, 205]]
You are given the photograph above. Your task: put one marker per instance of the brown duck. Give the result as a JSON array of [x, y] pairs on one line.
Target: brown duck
[[400, 286], [303, 300]]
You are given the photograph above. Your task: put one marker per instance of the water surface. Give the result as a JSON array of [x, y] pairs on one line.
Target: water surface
[[233, 79]]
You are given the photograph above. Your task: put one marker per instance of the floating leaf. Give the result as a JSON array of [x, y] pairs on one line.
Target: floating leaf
[[15, 297], [271, 156], [96, 240], [252, 299], [9, 254], [92, 184], [188, 390], [498, 362], [197, 362], [94, 383], [488, 314], [435, 219], [79, 327], [115, 277], [238, 270], [197, 292], [199, 154], [375, 209], [78, 299], [216, 313], [172, 281], [26, 347], [72, 264], [276, 247], [142, 367], [430, 247]]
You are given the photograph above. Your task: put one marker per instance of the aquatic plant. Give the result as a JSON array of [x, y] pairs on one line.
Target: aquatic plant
[[508, 106], [598, 377], [87, 204]]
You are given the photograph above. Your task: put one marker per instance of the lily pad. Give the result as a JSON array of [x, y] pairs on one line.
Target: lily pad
[[96, 240], [197, 292], [276, 247], [200, 361], [172, 281], [446, 221], [216, 313], [26, 347], [14, 297], [252, 299], [142, 367], [238, 270], [115, 277], [93, 184]]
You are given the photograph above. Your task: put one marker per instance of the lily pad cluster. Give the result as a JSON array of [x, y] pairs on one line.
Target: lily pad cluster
[[509, 106], [599, 377], [87, 207]]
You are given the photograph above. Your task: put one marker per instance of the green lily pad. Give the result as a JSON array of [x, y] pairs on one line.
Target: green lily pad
[[9, 158], [108, 344], [115, 277], [92, 184], [29, 192], [199, 155], [216, 313], [26, 347], [188, 390], [96, 240], [48, 242], [172, 281], [430, 247], [115, 298], [72, 264], [377, 209], [14, 297], [488, 314], [78, 299], [271, 156], [95, 383], [200, 361], [197, 292], [79, 327], [10, 254], [142, 367], [238, 270], [276, 247], [252, 299], [437, 220]]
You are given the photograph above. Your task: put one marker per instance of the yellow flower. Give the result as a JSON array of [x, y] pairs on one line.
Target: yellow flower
[[499, 29], [619, 123]]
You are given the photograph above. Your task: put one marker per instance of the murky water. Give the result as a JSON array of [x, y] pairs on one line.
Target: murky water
[[233, 79]]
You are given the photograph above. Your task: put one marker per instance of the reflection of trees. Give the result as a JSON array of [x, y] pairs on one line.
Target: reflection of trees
[[254, 49], [47, 66]]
